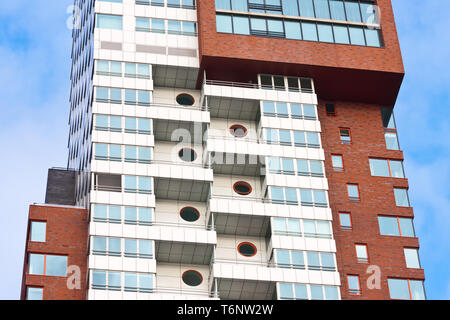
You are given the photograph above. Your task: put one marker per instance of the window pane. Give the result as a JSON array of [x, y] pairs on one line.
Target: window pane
[[115, 212], [322, 10], [275, 26], [313, 259], [145, 184], [297, 258], [223, 23], [114, 245], [352, 9], [101, 93], [361, 251], [325, 32], [417, 290], [107, 21], [102, 66], [142, 23], [282, 109], [306, 195], [320, 197], [373, 37], [131, 280], [356, 36], [189, 28], [406, 227], [99, 244], [327, 260], [291, 195], [130, 183], [223, 4], [101, 120], [388, 226], [285, 137], [309, 31], [293, 226], [274, 165], [296, 109], [290, 7], [337, 10], [316, 292], [316, 167], [323, 228], [130, 214], [240, 25], [401, 197], [158, 26], [306, 8], [353, 191], [36, 264], [130, 152], [130, 246], [368, 13], [331, 293], [300, 291], [239, 5], [116, 122], [99, 278], [309, 226], [279, 224], [379, 167], [283, 257], [146, 281], [35, 293], [398, 289], [144, 154], [144, 97], [299, 138], [337, 161], [396, 169], [302, 166], [391, 141], [353, 282], [277, 194], [115, 152], [412, 258], [144, 125], [174, 26], [309, 110], [269, 107], [258, 24], [341, 34], [146, 248], [286, 291], [56, 266], [100, 211], [116, 94], [288, 165], [38, 231], [345, 220], [114, 279], [144, 70]]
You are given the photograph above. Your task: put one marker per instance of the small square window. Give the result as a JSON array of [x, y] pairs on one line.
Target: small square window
[[353, 192], [412, 258], [330, 109], [353, 285], [345, 220], [35, 293], [38, 231], [361, 253], [401, 197], [337, 162], [345, 135]]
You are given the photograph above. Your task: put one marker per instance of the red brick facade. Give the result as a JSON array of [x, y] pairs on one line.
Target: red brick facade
[[376, 197], [345, 72], [66, 234]]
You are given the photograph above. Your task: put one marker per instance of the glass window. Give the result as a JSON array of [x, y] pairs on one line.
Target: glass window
[[158, 26], [309, 31], [100, 211], [299, 139], [341, 34], [406, 227], [345, 135], [391, 141], [353, 191], [269, 107], [115, 152], [417, 290], [401, 197], [297, 258], [288, 165], [107, 21], [116, 123], [309, 228], [36, 264], [337, 10], [145, 184], [323, 228], [320, 197], [291, 195], [223, 4], [223, 23], [290, 7], [240, 25], [275, 26], [325, 32], [338, 163], [277, 194], [189, 28], [312, 138], [356, 36], [306, 8], [99, 279], [327, 260], [306, 196], [373, 37], [285, 137], [302, 167], [309, 111], [293, 227], [131, 247], [379, 167], [130, 281], [144, 97], [322, 9], [279, 224], [282, 109], [130, 214], [116, 95], [283, 257], [331, 293], [361, 253], [313, 260], [396, 169], [274, 165], [239, 5], [101, 120], [353, 284], [56, 266], [316, 292], [286, 291], [114, 246], [258, 24], [115, 213], [300, 292], [145, 248], [130, 183], [144, 70], [398, 289], [35, 293], [345, 220], [142, 24], [412, 258], [388, 226], [174, 27], [352, 9], [114, 280], [99, 245], [296, 109], [146, 282], [368, 12], [38, 231]]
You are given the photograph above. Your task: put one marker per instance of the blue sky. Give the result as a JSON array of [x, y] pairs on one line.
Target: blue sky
[[35, 49]]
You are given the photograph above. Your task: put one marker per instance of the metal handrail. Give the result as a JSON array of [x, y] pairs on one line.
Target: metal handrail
[[254, 86]]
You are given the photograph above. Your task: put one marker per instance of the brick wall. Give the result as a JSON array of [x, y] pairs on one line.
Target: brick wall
[[344, 72], [66, 234], [377, 197]]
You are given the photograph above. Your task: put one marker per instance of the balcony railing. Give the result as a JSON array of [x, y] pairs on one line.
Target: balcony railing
[[254, 86]]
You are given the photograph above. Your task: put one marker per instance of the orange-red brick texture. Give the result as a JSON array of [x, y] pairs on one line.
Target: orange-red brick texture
[[345, 72], [66, 234], [376, 193]]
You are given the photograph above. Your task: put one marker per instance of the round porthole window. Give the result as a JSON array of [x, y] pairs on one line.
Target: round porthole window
[[238, 130], [185, 99], [189, 214], [187, 155], [242, 188], [247, 249], [192, 278]]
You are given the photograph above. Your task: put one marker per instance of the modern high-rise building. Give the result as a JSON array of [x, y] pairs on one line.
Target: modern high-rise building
[[229, 149]]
